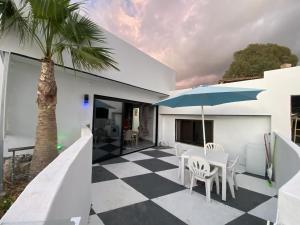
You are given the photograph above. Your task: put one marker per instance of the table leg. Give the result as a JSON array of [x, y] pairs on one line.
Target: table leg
[[182, 171], [224, 184]]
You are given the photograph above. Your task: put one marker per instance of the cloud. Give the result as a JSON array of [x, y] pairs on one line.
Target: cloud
[[197, 38]]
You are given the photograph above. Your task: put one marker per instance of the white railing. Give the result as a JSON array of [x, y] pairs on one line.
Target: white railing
[[61, 191], [287, 178]]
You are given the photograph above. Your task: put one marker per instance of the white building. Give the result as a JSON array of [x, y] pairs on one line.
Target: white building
[[125, 97], [140, 82], [115, 104], [240, 126]]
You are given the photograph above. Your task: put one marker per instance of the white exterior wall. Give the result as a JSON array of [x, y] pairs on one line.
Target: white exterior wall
[[287, 178], [233, 132], [1, 76], [287, 159], [136, 68], [2, 71], [21, 109], [240, 123], [275, 101]]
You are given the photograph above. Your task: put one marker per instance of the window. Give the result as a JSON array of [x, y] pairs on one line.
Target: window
[[190, 131], [295, 103]]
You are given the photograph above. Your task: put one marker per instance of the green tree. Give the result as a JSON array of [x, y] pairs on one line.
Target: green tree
[[257, 58], [56, 27]]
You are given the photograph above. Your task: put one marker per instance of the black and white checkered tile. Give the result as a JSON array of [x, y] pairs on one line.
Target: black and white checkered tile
[[143, 189]]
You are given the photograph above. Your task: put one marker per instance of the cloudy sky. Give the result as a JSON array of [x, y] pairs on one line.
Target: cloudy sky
[[197, 38]]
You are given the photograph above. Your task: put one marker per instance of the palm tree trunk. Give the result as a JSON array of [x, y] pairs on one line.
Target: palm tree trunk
[[46, 131]]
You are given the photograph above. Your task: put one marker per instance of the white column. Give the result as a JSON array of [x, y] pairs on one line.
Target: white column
[[4, 64], [203, 127]]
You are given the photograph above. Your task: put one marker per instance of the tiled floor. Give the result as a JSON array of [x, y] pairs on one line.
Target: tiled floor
[[143, 189]]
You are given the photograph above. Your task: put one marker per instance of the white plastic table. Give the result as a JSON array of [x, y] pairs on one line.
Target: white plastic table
[[219, 159]]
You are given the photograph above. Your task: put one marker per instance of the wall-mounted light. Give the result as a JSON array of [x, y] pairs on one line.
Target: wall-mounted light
[[86, 100], [59, 147]]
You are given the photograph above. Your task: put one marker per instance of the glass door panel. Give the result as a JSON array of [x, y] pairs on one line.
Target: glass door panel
[[107, 129], [138, 127]]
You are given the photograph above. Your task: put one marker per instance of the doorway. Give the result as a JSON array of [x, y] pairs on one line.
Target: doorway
[[107, 129], [121, 127], [138, 127]]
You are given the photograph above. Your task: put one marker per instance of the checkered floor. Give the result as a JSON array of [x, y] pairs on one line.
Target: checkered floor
[[143, 189]]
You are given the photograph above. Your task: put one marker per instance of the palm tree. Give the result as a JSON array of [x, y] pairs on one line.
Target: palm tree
[[56, 27]]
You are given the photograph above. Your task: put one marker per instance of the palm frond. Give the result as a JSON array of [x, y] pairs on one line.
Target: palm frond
[[81, 30], [47, 16], [56, 26], [52, 10], [83, 39], [12, 18], [92, 58]]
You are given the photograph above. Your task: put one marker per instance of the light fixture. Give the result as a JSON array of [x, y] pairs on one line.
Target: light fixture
[[86, 100]]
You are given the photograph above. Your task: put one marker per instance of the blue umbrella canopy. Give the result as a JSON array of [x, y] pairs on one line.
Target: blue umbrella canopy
[[210, 96]]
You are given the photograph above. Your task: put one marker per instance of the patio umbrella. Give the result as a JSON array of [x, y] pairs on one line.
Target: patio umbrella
[[210, 96]]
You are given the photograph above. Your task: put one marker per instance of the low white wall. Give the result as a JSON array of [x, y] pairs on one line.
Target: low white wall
[[61, 191], [289, 202], [286, 159], [233, 132], [287, 179]]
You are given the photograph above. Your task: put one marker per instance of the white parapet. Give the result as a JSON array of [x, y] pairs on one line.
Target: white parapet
[[61, 192], [287, 178], [289, 202]]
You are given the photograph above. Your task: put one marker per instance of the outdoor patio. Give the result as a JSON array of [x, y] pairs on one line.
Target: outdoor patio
[[144, 188]]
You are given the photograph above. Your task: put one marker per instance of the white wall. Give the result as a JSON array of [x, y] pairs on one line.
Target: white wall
[[4, 61], [136, 68], [275, 101], [288, 204], [1, 76], [61, 191], [21, 111], [287, 159], [2, 71], [233, 132], [287, 179]]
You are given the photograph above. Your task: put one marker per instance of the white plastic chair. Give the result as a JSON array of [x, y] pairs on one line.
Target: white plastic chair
[[231, 175], [213, 147], [200, 170], [179, 151], [128, 136]]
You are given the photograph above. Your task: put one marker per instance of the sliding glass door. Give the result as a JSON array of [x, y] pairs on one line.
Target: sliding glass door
[[107, 129], [138, 127], [121, 127]]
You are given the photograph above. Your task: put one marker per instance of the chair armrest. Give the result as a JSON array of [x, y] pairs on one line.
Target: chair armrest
[[213, 172]]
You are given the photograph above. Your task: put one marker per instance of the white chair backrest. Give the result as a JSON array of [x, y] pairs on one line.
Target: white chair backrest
[[234, 163], [199, 167], [213, 147]]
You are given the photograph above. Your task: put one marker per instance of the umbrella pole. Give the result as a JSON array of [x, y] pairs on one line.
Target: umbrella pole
[[203, 127]]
